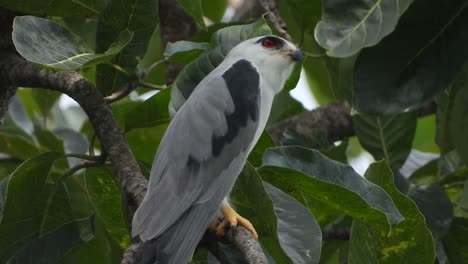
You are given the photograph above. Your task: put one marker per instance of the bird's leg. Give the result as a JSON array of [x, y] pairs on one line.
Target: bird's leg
[[232, 219]]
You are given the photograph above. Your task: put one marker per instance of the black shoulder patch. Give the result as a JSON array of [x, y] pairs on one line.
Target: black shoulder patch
[[243, 83]]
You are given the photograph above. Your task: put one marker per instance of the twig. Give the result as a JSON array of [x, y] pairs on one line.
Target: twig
[[76, 168], [151, 68], [99, 158], [151, 86], [121, 93], [271, 8], [120, 69], [10, 159], [311, 55]]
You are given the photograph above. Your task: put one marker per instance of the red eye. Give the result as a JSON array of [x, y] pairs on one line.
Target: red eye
[[268, 43]]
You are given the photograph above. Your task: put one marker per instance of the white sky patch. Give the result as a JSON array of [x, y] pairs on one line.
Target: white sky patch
[[303, 94], [361, 162]]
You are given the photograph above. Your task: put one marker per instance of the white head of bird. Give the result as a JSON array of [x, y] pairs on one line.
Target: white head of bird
[[273, 56]]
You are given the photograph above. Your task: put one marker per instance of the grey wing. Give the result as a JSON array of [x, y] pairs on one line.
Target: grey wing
[[203, 150]]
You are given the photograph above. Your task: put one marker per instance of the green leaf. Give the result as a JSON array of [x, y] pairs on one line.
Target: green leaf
[[348, 26], [64, 8], [458, 123], [299, 171], [45, 100], [222, 42], [410, 240], [426, 174], [48, 140], [104, 194], [152, 112], [252, 201], [194, 9], [418, 63], [320, 80], [50, 247], [386, 137], [30, 207], [214, 9], [456, 240], [138, 16], [145, 141], [283, 106], [425, 134], [102, 249], [16, 145], [46, 43], [436, 207], [183, 51], [298, 232], [263, 143]]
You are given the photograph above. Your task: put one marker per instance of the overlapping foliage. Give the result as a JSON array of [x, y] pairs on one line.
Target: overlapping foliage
[[387, 58]]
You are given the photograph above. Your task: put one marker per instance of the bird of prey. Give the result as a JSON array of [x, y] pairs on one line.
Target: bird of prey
[[205, 148]]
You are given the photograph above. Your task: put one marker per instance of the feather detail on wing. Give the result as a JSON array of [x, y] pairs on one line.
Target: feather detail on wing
[[200, 157]]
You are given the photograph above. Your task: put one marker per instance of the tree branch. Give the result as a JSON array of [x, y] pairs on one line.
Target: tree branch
[[15, 71], [327, 123], [271, 8], [243, 240]]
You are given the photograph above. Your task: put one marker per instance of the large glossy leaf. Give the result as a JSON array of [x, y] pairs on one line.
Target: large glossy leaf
[[194, 9], [30, 206], [422, 57], [252, 201], [386, 137], [349, 25], [154, 111], [298, 232], [102, 248], [409, 242], [300, 171], [138, 16], [52, 246], [104, 194], [64, 8], [184, 51], [222, 42], [46, 43], [436, 207]]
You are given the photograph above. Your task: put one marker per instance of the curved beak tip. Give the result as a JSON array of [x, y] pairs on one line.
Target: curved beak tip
[[296, 55]]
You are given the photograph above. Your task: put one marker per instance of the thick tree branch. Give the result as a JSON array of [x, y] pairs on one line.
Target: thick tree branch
[[243, 240], [271, 8], [15, 71], [327, 123]]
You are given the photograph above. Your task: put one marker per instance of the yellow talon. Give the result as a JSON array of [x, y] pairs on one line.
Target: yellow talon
[[232, 219]]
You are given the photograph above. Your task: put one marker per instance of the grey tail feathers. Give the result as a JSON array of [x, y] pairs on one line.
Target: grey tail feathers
[[177, 244]]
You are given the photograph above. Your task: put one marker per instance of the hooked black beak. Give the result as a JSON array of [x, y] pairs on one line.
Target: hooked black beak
[[296, 55]]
